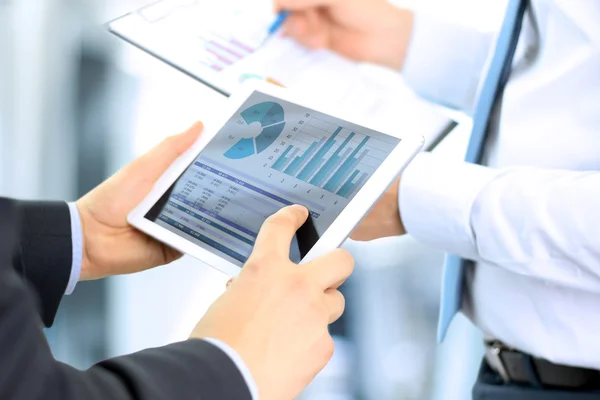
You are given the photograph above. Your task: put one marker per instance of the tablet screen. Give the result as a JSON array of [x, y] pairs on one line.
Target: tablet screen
[[269, 155]]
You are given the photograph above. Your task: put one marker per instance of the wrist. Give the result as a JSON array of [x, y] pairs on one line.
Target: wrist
[[239, 363], [77, 248], [392, 224], [383, 220], [86, 271]]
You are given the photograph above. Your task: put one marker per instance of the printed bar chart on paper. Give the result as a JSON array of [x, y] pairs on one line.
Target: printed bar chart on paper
[[222, 44], [203, 38], [223, 52]]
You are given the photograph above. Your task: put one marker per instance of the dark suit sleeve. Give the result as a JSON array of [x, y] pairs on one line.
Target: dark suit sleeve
[[43, 255], [188, 370]]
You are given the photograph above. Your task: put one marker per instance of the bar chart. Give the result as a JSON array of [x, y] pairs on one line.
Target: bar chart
[[222, 34], [222, 50], [339, 161]]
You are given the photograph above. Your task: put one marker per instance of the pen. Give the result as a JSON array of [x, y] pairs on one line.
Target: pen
[[279, 21]]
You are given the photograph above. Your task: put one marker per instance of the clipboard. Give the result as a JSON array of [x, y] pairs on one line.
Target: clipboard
[[220, 44]]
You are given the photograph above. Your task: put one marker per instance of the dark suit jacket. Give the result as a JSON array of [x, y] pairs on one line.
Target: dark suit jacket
[[34, 270]]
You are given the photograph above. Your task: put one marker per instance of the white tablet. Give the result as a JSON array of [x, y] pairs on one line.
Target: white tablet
[[266, 150]]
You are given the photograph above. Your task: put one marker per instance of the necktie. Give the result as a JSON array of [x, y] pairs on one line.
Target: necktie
[[488, 101]]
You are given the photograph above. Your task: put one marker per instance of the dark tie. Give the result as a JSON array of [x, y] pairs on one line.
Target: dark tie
[[488, 101]]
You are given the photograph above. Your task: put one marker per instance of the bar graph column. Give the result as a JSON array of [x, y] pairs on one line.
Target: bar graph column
[[332, 163], [290, 158], [356, 185], [337, 168], [348, 170], [312, 165], [348, 185], [299, 161], [282, 160], [347, 167]]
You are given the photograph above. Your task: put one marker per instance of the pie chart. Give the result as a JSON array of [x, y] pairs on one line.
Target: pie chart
[[271, 118]]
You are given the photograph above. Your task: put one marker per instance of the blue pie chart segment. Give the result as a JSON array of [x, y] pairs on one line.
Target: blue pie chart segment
[[271, 117], [268, 136], [267, 113], [242, 149]]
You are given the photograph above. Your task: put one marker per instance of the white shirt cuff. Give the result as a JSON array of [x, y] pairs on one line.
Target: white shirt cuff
[[77, 240], [436, 198], [445, 60], [240, 364]]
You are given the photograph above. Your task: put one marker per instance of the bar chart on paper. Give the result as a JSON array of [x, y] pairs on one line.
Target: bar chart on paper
[[331, 157], [222, 33]]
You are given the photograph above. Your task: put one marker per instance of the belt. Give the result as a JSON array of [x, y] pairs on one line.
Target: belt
[[514, 366]]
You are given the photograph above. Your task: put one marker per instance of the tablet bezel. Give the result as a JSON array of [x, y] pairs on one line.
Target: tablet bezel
[[337, 232]]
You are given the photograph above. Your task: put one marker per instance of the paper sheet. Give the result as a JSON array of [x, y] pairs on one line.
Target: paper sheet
[[221, 44]]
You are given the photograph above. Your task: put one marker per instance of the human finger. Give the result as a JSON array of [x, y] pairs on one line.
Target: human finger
[[278, 230], [335, 303], [154, 163], [332, 269]]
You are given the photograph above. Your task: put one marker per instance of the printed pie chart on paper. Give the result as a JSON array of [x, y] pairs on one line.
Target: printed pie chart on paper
[[263, 123]]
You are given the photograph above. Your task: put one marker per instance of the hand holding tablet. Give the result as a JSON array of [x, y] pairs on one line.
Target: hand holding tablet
[[266, 151], [276, 315]]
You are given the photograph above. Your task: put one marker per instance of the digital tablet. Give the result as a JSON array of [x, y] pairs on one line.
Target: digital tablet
[[266, 150]]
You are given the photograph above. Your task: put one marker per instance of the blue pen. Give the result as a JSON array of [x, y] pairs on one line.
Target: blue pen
[[279, 21]]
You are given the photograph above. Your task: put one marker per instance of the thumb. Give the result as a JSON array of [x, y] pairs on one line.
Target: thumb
[[113, 199], [278, 230], [153, 164], [229, 282]]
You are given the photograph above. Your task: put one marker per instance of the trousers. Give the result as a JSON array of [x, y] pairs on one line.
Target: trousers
[[489, 386]]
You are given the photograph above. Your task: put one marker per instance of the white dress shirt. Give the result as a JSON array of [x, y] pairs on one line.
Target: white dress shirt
[[531, 219]]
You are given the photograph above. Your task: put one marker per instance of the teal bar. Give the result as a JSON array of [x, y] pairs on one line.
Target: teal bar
[[331, 163], [346, 167], [320, 176], [337, 163], [308, 155], [344, 174], [289, 158], [312, 164], [357, 185], [295, 165], [278, 165], [348, 185]]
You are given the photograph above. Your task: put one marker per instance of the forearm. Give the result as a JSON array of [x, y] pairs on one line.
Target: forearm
[[535, 222], [191, 369], [542, 223]]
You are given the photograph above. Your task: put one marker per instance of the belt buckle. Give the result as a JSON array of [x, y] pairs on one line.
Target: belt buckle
[[495, 351]]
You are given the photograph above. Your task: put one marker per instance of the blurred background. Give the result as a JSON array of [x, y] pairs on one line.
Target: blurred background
[[76, 104]]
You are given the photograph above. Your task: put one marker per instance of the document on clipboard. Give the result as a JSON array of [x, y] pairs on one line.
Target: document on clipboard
[[222, 44]]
